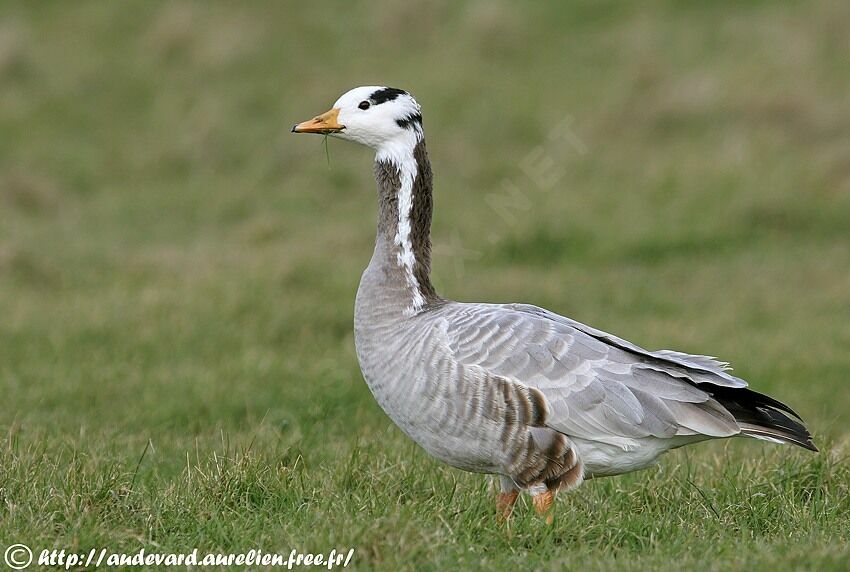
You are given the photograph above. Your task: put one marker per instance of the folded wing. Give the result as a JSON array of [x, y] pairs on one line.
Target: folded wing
[[602, 388]]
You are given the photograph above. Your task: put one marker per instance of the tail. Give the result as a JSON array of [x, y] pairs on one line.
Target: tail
[[763, 417]]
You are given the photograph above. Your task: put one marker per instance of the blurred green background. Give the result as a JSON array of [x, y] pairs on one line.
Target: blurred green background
[[177, 271]]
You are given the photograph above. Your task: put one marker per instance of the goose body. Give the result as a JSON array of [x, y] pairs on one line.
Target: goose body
[[514, 390]]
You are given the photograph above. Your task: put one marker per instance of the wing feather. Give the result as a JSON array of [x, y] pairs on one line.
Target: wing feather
[[597, 386]]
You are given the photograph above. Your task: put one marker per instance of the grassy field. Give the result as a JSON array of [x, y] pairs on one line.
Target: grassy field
[[177, 271]]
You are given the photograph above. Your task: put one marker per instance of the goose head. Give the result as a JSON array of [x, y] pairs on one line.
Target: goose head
[[385, 119]]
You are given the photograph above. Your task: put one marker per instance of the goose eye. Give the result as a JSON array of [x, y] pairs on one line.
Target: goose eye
[[364, 105]]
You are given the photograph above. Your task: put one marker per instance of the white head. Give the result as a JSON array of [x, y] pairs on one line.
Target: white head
[[384, 118], [389, 121]]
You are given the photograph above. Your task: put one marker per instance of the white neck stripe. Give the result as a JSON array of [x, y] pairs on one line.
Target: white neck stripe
[[400, 154]]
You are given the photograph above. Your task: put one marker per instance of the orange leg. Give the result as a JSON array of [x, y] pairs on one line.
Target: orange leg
[[543, 502], [505, 504]]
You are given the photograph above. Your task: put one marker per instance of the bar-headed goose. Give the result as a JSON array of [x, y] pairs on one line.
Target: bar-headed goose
[[514, 390]]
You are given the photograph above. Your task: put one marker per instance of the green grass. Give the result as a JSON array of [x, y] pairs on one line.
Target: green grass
[[177, 271]]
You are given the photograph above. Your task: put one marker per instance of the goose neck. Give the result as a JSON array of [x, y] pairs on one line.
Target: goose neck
[[403, 246]]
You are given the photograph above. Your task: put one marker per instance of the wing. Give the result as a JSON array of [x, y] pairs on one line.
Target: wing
[[598, 386]]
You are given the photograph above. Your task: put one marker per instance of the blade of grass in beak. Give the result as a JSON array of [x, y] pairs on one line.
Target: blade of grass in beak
[[327, 151]]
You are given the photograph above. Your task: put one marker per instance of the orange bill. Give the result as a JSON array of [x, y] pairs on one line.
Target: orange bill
[[324, 123]]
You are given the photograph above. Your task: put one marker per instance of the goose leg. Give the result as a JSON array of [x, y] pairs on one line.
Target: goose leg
[[506, 498], [543, 499]]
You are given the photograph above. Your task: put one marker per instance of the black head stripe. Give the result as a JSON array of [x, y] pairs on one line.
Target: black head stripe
[[409, 121], [386, 94]]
